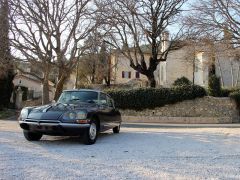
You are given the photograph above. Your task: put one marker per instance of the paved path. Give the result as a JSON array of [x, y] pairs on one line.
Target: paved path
[[138, 152]]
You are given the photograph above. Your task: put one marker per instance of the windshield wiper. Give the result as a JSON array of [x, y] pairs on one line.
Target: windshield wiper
[[59, 103], [74, 99]]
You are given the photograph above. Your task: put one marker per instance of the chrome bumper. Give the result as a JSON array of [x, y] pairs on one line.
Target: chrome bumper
[[48, 124]]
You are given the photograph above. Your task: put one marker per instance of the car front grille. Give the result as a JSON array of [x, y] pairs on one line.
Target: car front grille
[[42, 121]]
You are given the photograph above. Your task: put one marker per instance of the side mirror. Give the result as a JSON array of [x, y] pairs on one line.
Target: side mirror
[[53, 101], [113, 103]]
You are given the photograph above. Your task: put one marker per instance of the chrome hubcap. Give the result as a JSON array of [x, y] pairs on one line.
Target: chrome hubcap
[[92, 131]]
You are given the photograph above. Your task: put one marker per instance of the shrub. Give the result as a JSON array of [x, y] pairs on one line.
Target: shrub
[[225, 92], [236, 96], [183, 81], [152, 97], [214, 86]]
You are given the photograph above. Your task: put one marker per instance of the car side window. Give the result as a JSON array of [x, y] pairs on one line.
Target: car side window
[[103, 99]]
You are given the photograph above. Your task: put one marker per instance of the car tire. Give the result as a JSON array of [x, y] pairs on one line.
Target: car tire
[[117, 129], [91, 134], [32, 136]]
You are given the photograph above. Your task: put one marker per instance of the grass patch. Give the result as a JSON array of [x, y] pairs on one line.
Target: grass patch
[[6, 113]]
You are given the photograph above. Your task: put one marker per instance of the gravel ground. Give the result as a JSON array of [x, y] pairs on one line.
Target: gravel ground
[[135, 153]]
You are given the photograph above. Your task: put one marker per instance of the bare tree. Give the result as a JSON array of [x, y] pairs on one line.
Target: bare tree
[[51, 34], [91, 58], [137, 26], [213, 18], [95, 67], [86, 71], [105, 66], [216, 23]]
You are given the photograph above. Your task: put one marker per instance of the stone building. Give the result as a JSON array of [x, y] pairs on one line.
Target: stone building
[[31, 83], [191, 60]]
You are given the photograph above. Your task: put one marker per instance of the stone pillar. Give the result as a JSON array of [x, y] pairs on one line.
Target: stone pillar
[[19, 94]]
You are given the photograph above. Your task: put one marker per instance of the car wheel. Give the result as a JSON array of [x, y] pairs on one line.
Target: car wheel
[[32, 136], [91, 134], [117, 129]]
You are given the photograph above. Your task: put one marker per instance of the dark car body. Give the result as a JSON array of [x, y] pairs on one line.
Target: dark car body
[[50, 119]]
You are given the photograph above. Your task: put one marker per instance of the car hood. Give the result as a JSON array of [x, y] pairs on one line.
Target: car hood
[[56, 110]]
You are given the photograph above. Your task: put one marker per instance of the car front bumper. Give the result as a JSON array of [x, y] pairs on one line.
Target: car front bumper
[[53, 127]]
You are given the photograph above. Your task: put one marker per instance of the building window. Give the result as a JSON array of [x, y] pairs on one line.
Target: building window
[[126, 74], [137, 75], [196, 67]]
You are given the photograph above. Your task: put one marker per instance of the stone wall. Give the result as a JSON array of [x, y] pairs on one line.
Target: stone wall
[[201, 110]]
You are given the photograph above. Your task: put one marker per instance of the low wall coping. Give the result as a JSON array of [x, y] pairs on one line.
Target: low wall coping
[[178, 120]]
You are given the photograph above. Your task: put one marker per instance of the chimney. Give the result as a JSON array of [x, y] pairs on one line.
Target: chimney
[[165, 36], [165, 40]]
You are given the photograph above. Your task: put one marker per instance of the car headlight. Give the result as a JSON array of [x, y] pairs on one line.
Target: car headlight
[[24, 114], [81, 115], [75, 115]]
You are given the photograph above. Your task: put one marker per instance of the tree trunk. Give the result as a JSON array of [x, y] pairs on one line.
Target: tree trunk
[[6, 89], [151, 80], [59, 86], [107, 81], [77, 74], [93, 72], [45, 93], [108, 76]]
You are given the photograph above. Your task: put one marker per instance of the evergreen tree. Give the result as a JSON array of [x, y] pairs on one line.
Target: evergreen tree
[[6, 63]]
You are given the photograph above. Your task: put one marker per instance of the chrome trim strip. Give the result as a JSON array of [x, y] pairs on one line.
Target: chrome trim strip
[[42, 120], [74, 125]]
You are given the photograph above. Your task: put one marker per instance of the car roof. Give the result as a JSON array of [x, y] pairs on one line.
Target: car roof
[[90, 90]]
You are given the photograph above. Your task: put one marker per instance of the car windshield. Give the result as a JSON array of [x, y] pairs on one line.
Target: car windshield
[[68, 97]]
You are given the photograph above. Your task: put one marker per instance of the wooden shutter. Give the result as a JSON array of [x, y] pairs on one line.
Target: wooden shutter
[[137, 75]]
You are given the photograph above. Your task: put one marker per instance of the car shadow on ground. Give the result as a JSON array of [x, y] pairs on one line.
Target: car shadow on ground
[[56, 140], [145, 136]]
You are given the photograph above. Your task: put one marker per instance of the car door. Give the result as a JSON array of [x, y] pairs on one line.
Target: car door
[[112, 114], [104, 111]]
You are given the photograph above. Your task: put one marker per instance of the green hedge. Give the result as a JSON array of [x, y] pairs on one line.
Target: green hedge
[[154, 97]]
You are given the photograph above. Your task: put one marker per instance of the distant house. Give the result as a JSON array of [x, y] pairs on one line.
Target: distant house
[[33, 85], [195, 61], [121, 72], [191, 61]]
